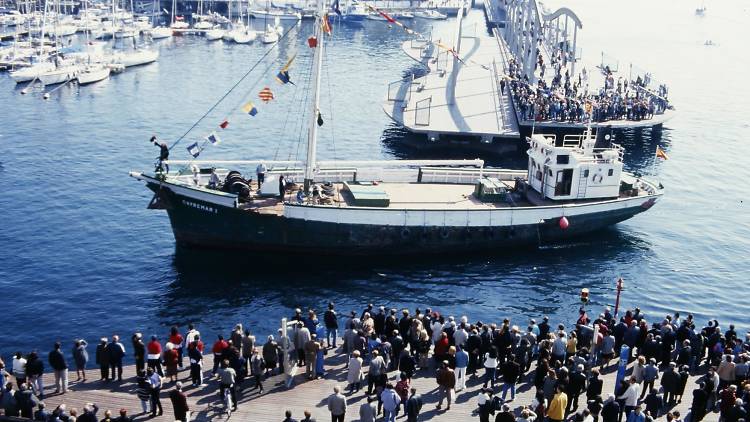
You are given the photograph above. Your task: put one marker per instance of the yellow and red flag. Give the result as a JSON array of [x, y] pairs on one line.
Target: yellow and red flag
[[661, 154], [325, 25]]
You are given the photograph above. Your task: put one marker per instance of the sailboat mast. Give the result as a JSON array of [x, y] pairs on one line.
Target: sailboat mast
[[312, 136]]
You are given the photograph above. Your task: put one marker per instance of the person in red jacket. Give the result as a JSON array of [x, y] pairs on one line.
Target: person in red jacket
[[154, 355], [441, 348], [217, 350], [177, 340]]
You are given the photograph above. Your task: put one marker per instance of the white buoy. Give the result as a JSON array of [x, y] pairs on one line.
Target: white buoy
[[46, 95]]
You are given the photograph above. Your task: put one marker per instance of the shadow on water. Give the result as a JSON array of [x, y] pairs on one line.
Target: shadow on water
[[215, 287], [399, 142], [233, 269]]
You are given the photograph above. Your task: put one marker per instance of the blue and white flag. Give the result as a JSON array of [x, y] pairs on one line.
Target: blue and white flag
[[213, 138], [194, 149], [335, 7]]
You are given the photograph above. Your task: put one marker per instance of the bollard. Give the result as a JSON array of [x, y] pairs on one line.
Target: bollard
[[624, 355]]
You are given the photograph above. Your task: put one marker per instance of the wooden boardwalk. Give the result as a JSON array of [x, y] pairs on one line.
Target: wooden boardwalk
[[311, 395]]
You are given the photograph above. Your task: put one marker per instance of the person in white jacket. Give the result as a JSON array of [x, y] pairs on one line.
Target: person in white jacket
[[630, 396]]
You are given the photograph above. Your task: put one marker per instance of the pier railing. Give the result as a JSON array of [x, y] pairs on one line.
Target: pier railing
[[401, 90], [422, 112]]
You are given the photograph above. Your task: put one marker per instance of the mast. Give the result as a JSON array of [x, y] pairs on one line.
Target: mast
[[312, 136]]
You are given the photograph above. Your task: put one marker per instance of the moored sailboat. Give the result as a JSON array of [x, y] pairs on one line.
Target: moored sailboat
[[569, 188]]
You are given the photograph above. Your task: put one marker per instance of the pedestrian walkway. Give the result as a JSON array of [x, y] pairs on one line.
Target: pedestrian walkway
[[457, 98], [205, 405]]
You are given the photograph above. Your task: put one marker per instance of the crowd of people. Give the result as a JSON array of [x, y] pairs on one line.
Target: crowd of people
[[565, 99], [385, 349]]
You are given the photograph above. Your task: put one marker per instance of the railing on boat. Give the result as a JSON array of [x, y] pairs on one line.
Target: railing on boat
[[464, 175]]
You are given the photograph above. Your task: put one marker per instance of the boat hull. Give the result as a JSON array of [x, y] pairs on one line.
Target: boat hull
[[205, 224]]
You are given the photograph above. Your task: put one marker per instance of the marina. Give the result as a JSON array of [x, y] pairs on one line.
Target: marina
[[522, 189]]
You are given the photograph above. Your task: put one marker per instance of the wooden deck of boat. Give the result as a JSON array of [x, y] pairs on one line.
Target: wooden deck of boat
[[402, 196], [311, 395]]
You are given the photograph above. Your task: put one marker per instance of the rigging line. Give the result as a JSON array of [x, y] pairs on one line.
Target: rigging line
[[216, 104], [303, 111], [302, 117], [333, 133], [330, 106], [286, 119], [305, 115]]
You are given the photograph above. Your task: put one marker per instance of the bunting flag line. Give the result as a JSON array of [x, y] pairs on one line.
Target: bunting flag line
[[224, 124], [266, 95], [661, 154], [213, 138], [283, 76], [250, 109], [194, 149], [388, 18]]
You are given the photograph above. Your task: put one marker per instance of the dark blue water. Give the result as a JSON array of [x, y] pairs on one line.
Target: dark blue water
[[81, 256]]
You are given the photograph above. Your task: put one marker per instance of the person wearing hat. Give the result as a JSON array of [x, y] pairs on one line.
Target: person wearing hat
[[139, 352], [80, 357], [102, 358], [446, 380], [179, 403]]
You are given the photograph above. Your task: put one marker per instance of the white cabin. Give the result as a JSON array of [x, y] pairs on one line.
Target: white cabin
[[573, 169]]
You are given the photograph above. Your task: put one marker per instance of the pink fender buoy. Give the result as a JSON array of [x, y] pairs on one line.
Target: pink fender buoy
[[564, 223]]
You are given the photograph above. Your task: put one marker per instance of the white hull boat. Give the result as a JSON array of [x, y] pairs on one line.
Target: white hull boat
[[137, 58], [276, 14], [203, 25], [93, 74], [59, 75], [214, 34], [430, 14], [160, 33], [32, 72], [63, 31], [126, 33], [180, 25], [245, 37], [272, 34]]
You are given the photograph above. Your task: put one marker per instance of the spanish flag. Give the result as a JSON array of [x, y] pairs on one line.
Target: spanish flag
[[325, 25], [661, 154]]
